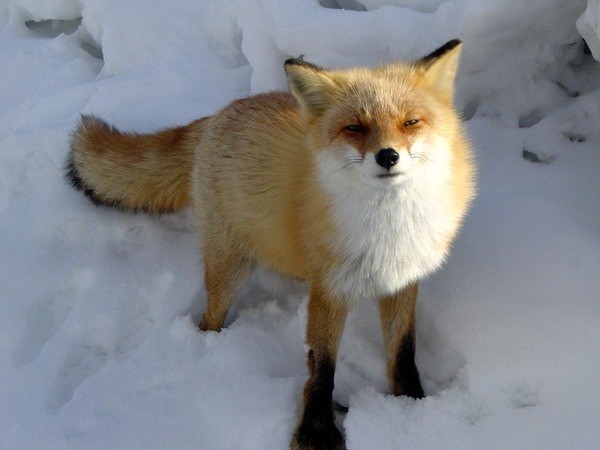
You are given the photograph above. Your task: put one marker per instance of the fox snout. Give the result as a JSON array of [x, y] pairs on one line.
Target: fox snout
[[387, 157], [391, 163]]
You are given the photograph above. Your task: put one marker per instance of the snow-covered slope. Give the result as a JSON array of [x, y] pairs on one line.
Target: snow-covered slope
[[98, 343]]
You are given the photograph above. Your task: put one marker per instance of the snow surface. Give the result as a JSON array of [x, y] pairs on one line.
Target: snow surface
[[588, 25], [98, 341]]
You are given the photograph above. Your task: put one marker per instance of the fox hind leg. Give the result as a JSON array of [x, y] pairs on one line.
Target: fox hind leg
[[226, 268], [397, 314]]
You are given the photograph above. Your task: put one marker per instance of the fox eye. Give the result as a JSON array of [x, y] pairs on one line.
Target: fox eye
[[410, 122], [356, 128]]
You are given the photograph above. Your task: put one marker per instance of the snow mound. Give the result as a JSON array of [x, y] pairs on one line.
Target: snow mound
[[589, 27]]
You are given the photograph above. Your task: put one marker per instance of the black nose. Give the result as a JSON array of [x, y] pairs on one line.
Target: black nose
[[387, 157]]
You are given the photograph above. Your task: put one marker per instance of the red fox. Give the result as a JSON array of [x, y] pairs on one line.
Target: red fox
[[356, 182]]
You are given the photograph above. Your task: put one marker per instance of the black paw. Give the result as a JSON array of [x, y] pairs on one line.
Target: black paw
[[407, 383], [318, 436], [413, 390]]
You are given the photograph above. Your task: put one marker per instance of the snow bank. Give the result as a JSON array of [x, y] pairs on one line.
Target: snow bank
[[20, 11], [589, 27], [98, 344]]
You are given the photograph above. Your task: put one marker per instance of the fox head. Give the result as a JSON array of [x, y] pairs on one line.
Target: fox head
[[386, 124]]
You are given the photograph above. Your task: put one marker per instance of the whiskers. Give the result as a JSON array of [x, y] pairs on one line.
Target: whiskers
[[420, 156], [348, 162]]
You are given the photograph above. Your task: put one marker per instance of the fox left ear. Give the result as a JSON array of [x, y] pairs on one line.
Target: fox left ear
[[311, 85], [440, 67]]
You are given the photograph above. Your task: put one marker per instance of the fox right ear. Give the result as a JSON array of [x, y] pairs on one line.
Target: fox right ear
[[440, 68], [311, 85]]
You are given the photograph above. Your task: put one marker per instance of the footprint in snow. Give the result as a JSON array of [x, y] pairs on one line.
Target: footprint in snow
[[82, 360], [537, 157], [47, 315], [574, 136], [522, 394]]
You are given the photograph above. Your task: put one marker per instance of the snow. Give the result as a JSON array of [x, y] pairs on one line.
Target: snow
[[98, 340], [588, 25]]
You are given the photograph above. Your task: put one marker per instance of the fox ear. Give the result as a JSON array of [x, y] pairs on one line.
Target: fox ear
[[440, 68], [311, 85]]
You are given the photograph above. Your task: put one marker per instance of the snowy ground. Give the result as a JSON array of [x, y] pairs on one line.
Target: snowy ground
[[98, 343]]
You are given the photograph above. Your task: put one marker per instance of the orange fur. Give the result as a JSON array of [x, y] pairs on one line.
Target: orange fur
[[133, 171]]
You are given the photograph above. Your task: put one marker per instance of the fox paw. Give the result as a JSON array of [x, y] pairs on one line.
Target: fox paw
[[321, 438], [413, 390]]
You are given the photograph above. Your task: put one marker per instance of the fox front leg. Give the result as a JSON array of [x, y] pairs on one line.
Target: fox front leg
[[317, 430], [397, 314]]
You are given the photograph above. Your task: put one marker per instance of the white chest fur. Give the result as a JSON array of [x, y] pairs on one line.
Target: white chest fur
[[389, 236]]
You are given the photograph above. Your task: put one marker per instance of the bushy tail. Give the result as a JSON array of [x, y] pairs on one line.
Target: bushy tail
[[133, 172]]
